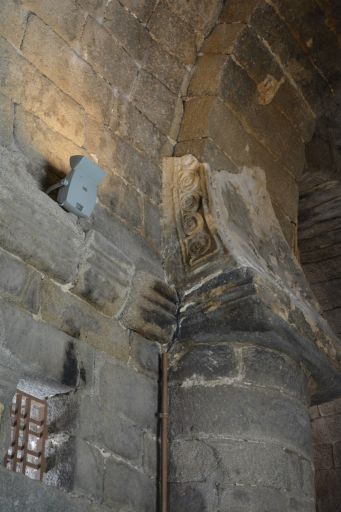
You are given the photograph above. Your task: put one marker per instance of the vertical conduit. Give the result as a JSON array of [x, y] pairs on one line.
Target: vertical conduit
[[164, 434]]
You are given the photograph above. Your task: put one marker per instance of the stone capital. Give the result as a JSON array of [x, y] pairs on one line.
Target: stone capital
[[235, 274]]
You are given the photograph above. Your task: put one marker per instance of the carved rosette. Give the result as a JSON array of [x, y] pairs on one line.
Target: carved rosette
[[196, 230]]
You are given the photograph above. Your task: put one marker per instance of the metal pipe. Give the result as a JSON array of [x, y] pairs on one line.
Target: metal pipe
[[164, 434]]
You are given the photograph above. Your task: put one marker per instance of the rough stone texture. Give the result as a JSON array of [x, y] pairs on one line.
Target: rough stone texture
[[27, 213], [13, 21], [105, 274], [151, 308], [7, 117]]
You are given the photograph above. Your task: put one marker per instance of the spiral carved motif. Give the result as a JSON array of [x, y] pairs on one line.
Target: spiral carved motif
[[198, 242]]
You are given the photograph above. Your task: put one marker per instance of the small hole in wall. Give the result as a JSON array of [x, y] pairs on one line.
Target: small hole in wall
[[70, 366]]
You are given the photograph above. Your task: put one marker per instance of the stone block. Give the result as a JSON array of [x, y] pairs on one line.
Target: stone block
[[127, 487], [11, 68], [130, 394], [19, 282], [58, 111], [293, 59], [50, 54], [94, 7], [65, 17], [205, 150], [6, 116], [127, 30], [107, 57], [13, 21], [32, 495], [199, 15], [192, 461], [152, 226], [235, 11], [37, 348], [44, 147], [328, 490], [89, 469], [327, 429], [222, 38], [150, 455], [336, 454], [253, 499], [145, 354], [151, 308], [241, 94], [104, 275], [203, 411], [113, 432], [207, 75], [78, 319], [130, 242], [323, 455], [173, 33], [274, 370], [142, 9], [129, 123], [252, 464], [204, 363], [193, 497], [33, 226], [164, 66], [156, 101], [122, 200], [330, 408]]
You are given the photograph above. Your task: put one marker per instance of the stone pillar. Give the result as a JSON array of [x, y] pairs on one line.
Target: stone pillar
[[240, 432], [251, 350]]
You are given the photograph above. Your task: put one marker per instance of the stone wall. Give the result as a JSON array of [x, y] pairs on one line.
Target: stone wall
[[326, 422]]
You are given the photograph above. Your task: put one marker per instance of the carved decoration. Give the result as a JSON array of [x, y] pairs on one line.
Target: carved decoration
[[196, 229]]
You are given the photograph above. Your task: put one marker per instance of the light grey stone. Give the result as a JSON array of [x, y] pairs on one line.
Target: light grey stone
[[32, 225]]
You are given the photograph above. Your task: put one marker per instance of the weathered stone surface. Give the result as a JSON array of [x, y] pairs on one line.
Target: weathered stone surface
[[107, 57], [234, 11], [327, 429], [204, 363], [21, 205], [323, 455], [94, 7], [141, 8], [222, 38], [78, 319], [35, 496], [124, 486], [155, 101], [150, 455], [89, 469], [151, 308], [273, 370], [7, 116], [201, 16], [130, 394], [172, 33], [13, 21], [104, 275], [65, 18], [203, 410], [207, 151], [25, 338], [129, 242], [193, 497], [114, 432], [122, 200], [254, 499], [330, 408], [19, 282], [192, 461], [42, 145], [328, 490], [57, 61], [152, 226], [145, 354]]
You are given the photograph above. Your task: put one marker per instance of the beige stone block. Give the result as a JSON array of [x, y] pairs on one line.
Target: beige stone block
[[207, 75], [64, 16], [141, 8], [222, 38], [50, 54], [173, 33], [195, 121], [6, 123], [94, 7], [200, 15], [156, 101], [41, 144], [12, 21], [108, 58]]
